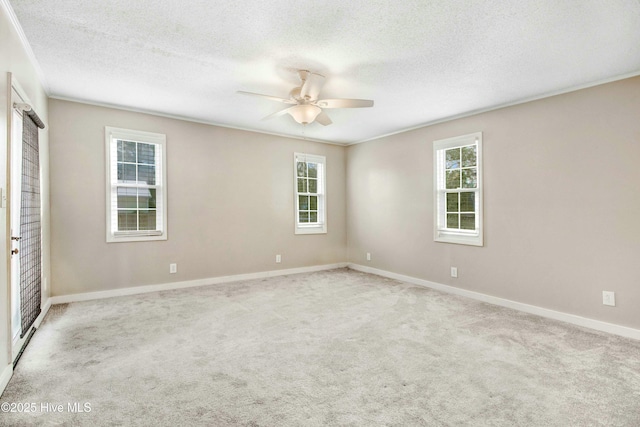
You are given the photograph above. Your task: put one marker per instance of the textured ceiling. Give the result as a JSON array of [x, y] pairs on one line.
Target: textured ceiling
[[421, 61]]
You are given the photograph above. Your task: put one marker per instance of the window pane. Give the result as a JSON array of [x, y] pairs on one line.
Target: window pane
[[146, 198], [128, 151], [302, 185], [468, 156], [452, 220], [453, 158], [313, 185], [468, 221], [310, 188], [453, 179], [458, 189], [126, 172], [452, 202], [303, 203], [312, 168], [469, 178], [120, 151], [146, 153], [126, 198], [147, 174], [135, 201], [302, 169], [467, 202], [147, 220], [127, 220], [152, 198]]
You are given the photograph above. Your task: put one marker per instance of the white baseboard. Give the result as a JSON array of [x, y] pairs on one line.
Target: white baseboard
[[7, 372], [532, 309], [527, 308], [63, 299], [43, 313]]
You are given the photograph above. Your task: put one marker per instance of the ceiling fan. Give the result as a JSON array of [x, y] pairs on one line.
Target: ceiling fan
[[306, 107]]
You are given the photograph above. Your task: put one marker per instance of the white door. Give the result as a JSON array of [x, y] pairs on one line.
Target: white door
[[16, 195]]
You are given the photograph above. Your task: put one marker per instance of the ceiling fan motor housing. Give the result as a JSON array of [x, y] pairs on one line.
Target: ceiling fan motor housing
[[295, 93], [307, 107]]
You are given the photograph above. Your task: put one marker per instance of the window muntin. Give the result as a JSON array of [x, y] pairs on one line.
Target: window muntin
[[310, 201], [458, 192], [136, 205], [461, 174], [136, 186]]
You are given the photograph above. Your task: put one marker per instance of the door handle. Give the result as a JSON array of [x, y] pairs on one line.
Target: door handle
[[14, 251], [16, 238]]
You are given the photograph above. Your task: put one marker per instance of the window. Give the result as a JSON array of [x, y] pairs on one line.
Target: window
[[458, 189], [309, 176], [136, 185]]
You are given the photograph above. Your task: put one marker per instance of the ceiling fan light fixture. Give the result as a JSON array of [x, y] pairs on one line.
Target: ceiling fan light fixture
[[304, 113], [307, 105]]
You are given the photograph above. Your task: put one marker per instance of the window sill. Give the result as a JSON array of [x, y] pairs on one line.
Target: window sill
[[442, 236], [320, 229], [123, 237]]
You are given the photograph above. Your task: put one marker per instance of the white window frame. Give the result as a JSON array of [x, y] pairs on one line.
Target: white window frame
[[320, 226], [112, 135], [441, 233]]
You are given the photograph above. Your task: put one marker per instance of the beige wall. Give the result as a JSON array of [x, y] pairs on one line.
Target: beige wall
[[230, 203], [14, 59], [562, 204]]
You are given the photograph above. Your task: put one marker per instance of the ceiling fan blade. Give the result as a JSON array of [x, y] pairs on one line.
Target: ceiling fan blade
[[323, 119], [278, 113], [312, 85], [344, 103], [273, 98]]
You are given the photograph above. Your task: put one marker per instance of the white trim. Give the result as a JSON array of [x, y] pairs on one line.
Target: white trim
[[158, 139], [191, 120], [346, 143], [443, 235], [7, 373], [321, 189], [586, 322], [43, 313], [17, 93], [19, 343], [500, 106], [25, 44], [43, 82], [64, 299], [22, 94]]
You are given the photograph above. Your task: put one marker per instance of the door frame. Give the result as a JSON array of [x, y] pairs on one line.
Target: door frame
[[16, 94]]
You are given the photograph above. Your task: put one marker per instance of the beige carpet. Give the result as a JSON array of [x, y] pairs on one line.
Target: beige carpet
[[329, 348]]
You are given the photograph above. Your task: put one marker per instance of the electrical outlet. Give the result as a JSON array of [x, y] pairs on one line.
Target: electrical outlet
[[368, 256], [609, 298], [173, 268], [454, 271], [278, 259]]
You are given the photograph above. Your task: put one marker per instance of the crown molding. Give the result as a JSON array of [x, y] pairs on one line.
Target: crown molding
[[505, 105], [189, 119], [25, 44]]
